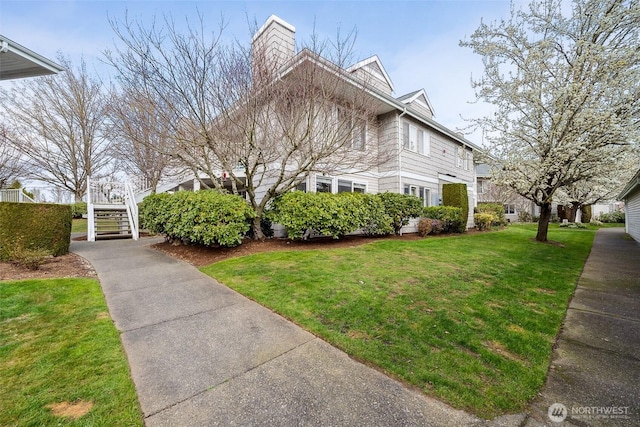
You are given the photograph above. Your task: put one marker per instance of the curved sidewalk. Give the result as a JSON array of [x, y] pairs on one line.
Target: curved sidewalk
[[203, 355]]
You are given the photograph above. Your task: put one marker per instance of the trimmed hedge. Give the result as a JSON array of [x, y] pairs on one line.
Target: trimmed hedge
[[456, 195], [34, 227], [400, 208], [495, 209], [78, 209], [328, 214], [450, 216], [203, 217]]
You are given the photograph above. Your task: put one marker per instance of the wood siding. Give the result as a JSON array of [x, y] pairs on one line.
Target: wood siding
[[632, 215]]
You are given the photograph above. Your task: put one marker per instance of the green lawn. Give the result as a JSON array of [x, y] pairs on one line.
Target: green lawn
[[58, 344], [469, 319], [79, 225]]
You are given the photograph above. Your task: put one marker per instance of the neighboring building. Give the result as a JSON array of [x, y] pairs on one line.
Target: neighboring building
[[489, 192], [631, 196], [422, 154]]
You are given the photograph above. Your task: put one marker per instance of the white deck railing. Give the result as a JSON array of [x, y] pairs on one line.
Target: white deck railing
[[15, 196]]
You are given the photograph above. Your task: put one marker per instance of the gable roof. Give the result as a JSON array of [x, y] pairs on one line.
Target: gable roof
[[419, 96], [631, 186], [17, 61], [374, 66]]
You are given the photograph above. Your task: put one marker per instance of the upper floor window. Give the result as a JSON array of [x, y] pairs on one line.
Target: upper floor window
[[345, 186], [415, 139]]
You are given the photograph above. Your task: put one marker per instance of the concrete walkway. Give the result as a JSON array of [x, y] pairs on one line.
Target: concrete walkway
[[595, 371], [203, 355]]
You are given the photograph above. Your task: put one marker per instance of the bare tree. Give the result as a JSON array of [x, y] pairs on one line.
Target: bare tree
[[58, 124], [237, 113], [566, 92], [12, 165], [142, 135]]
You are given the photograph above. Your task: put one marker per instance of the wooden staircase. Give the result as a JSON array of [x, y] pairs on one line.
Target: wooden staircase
[[112, 211], [111, 222]]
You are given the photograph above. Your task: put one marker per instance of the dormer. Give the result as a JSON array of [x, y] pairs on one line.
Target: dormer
[[372, 72], [273, 46], [419, 101]]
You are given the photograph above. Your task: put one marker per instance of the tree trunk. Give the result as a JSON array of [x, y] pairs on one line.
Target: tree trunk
[[257, 228], [543, 223], [573, 211]]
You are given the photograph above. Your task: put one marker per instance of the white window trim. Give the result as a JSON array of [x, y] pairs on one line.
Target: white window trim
[[414, 146]]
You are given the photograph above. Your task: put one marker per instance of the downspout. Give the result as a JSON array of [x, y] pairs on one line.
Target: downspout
[[400, 190]]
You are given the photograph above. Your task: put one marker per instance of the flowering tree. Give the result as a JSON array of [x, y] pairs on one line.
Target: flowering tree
[[566, 94]]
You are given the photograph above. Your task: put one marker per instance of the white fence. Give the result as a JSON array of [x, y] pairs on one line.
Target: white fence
[[15, 196]]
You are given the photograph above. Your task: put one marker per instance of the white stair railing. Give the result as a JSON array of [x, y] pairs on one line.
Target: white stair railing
[[15, 196], [105, 194], [91, 224], [132, 210]]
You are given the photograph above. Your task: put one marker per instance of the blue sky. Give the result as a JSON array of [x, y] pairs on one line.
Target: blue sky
[[417, 41]]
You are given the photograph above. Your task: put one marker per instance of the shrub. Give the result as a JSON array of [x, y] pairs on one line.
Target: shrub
[[203, 217], [376, 221], [572, 225], [483, 221], [524, 216], [428, 226], [495, 209], [451, 218], [585, 214], [400, 208], [31, 259], [78, 209], [37, 226], [456, 195], [613, 217], [326, 214]]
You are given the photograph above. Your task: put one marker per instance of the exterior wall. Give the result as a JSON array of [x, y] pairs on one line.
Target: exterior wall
[[632, 215], [372, 80], [421, 108]]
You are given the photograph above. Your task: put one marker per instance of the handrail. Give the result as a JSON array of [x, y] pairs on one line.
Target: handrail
[[91, 225], [132, 210]]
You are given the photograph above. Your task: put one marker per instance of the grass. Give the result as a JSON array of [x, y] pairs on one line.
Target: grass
[[79, 225], [58, 344], [469, 319]]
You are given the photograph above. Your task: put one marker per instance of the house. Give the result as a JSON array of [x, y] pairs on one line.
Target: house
[[631, 195], [516, 207], [420, 154]]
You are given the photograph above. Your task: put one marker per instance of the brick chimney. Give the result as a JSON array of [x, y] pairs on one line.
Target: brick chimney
[[273, 46]]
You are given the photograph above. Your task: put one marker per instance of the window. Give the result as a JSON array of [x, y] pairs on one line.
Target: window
[[359, 188], [345, 186], [425, 195], [411, 190], [323, 184], [509, 209], [415, 139], [459, 157], [482, 184], [467, 161], [302, 186]]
